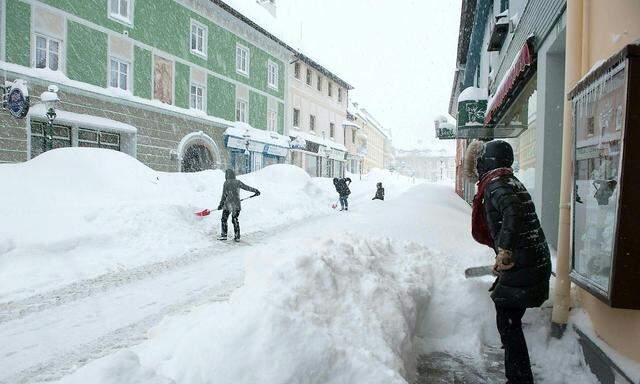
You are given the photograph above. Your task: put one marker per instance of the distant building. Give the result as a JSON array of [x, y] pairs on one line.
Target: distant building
[[375, 137], [431, 165]]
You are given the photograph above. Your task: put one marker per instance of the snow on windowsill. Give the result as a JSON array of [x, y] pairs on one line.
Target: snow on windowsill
[[86, 121], [60, 78], [242, 130]]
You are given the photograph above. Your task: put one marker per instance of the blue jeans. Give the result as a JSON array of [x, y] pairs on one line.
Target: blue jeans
[[344, 204]]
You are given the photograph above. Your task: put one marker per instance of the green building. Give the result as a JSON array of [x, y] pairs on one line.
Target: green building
[[161, 80]]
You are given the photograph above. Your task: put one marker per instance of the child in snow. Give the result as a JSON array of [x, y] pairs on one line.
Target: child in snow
[[342, 187], [230, 203], [504, 218], [379, 192]]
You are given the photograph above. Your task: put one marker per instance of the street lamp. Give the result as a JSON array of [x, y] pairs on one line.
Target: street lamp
[[50, 99], [247, 142]]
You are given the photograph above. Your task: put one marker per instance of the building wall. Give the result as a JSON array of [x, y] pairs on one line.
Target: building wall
[[375, 148], [89, 37], [609, 27]]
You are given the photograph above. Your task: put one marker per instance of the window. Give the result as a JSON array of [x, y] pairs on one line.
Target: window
[[272, 75], [296, 70], [198, 38], [196, 97], [353, 136], [59, 137], [120, 10], [330, 90], [118, 74], [241, 110], [96, 139], [271, 120], [309, 77], [47, 53], [332, 129], [242, 59], [296, 117], [339, 95], [312, 122], [319, 84]]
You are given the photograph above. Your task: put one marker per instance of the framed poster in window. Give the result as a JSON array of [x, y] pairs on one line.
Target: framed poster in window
[[606, 204]]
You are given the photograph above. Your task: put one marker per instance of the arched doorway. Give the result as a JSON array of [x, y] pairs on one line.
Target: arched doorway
[[198, 152], [197, 158]]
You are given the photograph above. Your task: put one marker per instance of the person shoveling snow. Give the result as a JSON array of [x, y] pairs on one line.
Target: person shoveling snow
[[342, 187], [379, 192], [230, 203]]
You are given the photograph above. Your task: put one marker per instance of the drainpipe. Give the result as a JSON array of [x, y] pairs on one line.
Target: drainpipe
[[575, 31]]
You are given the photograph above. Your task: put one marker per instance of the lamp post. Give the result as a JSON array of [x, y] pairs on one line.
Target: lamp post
[[50, 99], [247, 153]]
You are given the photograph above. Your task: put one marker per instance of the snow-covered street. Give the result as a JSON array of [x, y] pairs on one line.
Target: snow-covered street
[[310, 295]]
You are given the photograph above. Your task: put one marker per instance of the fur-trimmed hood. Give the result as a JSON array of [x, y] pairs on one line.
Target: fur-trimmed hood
[[471, 156]]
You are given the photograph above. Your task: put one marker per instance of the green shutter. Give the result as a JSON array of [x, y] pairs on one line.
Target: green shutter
[[257, 110], [17, 39], [86, 54], [182, 85], [221, 98], [142, 69]]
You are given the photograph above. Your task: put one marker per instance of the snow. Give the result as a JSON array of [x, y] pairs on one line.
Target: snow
[[332, 297], [242, 130], [472, 94], [86, 121]]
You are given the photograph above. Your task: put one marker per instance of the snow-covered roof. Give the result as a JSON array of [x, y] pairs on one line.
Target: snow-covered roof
[[473, 93], [85, 121], [348, 123], [318, 140], [244, 130]]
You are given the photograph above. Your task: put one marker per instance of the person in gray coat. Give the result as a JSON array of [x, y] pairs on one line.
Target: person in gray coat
[[230, 203]]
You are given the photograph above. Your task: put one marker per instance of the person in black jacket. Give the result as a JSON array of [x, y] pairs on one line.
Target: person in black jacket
[[505, 219], [342, 187], [230, 203], [379, 192]]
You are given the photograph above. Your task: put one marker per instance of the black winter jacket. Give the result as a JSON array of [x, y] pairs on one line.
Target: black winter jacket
[[230, 199], [379, 194], [514, 226], [342, 186]]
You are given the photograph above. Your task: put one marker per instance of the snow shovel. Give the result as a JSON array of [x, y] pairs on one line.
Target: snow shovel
[[207, 212], [485, 270]]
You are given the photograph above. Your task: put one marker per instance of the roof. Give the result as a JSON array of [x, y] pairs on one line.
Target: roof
[[244, 130], [231, 6]]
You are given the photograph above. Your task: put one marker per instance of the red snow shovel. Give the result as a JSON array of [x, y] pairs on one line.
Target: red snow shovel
[[207, 212]]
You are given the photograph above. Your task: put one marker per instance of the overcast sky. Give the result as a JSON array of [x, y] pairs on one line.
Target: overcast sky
[[398, 54]]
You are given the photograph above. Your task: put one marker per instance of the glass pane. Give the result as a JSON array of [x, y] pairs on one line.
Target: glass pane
[[124, 8], [113, 79], [41, 58], [53, 62], [123, 81], [41, 42], [193, 40], [109, 138], [54, 46], [87, 135], [123, 68], [114, 6], [598, 114]]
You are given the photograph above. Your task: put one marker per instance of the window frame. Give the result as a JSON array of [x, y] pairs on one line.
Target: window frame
[[242, 48], [203, 97], [312, 123], [297, 70], [330, 89], [272, 65], [205, 36], [47, 49], [319, 82], [332, 130], [240, 101], [295, 121], [119, 62], [309, 77], [272, 119], [339, 94], [128, 21]]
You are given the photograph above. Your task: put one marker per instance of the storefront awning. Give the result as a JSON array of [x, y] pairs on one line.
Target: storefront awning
[[521, 70], [318, 140], [83, 121], [259, 140]]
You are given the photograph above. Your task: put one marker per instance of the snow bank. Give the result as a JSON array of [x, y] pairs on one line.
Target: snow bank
[[74, 213], [342, 310]]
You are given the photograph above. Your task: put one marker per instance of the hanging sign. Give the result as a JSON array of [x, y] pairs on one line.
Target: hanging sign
[[17, 100]]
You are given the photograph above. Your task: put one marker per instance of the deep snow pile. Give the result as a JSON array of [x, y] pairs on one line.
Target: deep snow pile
[[74, 213]]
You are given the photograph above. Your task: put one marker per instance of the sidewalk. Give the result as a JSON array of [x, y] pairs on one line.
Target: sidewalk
[[444, 368]]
